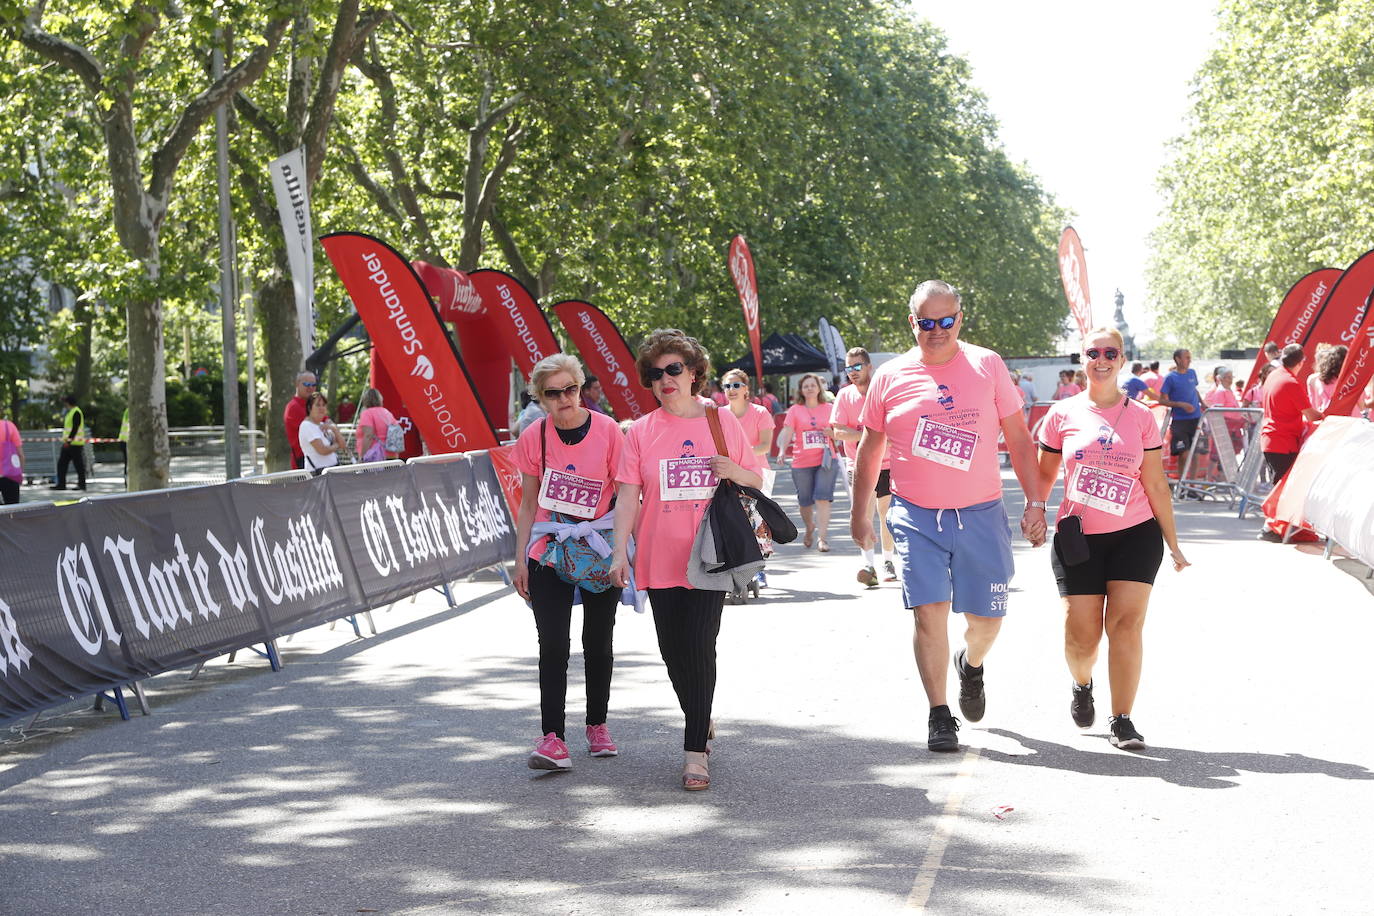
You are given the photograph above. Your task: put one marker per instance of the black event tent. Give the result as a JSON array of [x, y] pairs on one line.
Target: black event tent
[[783, 354]]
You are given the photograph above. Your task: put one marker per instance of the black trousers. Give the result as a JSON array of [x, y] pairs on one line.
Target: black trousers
[[1279, 463], [9, 491], [72, 454], [688, 622], [552, 599]]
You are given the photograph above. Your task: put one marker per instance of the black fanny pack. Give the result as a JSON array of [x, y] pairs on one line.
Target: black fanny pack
[[1070, 540]]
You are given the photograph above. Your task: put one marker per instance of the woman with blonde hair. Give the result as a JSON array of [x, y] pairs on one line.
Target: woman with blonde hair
[[567, 463], [668, 473], [1114, 520], [814, 467], [369, 432]]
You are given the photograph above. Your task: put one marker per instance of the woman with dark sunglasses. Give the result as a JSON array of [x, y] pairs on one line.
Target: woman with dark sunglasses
[[667, 474], [567, 465], [1115, 489]]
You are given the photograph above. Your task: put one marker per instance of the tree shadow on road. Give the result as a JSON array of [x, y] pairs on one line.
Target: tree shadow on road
[[1182, 767]]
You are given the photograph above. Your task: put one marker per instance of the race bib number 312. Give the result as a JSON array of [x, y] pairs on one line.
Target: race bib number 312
[[571, 494], [1099, 489], [686, 478], [948, 445]]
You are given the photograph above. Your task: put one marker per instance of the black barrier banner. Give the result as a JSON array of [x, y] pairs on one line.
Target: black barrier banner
[[108, 591]]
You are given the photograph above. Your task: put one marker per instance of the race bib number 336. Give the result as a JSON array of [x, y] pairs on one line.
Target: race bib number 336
[[686, 478], [948, 445], [1099, 489]]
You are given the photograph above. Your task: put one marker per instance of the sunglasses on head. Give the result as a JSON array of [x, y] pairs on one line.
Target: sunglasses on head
[[945, 323], [733, 385], [673, 369], [1107, 353], [553, 394], [857, 367]]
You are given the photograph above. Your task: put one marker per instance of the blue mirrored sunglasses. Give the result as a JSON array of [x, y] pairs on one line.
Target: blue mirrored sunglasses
[[945, 323]]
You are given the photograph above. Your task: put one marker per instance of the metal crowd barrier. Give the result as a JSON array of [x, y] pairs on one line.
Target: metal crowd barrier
[[1225, 444]]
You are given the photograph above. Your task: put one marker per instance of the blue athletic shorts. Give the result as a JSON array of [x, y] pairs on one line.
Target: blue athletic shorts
[[958, 555], [815, 483]]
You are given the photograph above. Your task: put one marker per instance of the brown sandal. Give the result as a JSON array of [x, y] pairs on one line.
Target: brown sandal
[[695, 775]]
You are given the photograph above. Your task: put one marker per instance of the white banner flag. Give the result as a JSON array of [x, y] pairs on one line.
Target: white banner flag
[[833, 345], [293, 203]]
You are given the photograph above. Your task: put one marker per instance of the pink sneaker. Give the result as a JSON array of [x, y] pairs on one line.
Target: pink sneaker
[[550, 754], [599, 743]]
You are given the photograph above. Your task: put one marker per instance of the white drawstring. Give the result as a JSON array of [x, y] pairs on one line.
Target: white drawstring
[[957, 517]]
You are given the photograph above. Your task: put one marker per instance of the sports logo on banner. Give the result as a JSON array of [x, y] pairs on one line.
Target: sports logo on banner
[[607, 357], [1340, 318], [1296, 314], [293, 204], [1073, 272], [452, 290], [519, 319], [409, 337], [747, 282]]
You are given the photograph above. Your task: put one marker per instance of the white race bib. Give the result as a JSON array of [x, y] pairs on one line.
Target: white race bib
[[686, 478], [814, 438], [569, 493], [947, 445], [1100, 489]]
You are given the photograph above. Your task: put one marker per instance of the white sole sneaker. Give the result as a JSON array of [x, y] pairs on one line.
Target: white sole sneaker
[[540, 762], [603, 753]]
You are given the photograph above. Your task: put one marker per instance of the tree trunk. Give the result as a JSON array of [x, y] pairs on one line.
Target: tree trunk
[[281, 347], [150, 455], [85, 322]]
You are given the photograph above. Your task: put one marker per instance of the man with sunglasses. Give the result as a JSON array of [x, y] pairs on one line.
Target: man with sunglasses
[[845, 425], [295, 413], [937, 411]]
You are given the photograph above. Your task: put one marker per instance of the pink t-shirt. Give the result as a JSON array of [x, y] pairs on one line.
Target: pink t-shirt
[[954, 465], [667, 526], [848, 411], [1092, 441], [1066, 391], [755, 420], [809, 426], [1152, 380], [379, 418], [576, 470]]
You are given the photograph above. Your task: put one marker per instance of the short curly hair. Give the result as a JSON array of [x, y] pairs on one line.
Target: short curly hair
[[672, 340], [1329, 362]]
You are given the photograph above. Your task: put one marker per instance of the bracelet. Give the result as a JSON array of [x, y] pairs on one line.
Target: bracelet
[[1036, 504]]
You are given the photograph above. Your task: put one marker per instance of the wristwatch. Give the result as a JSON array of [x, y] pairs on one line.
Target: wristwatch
[[1035, 504]]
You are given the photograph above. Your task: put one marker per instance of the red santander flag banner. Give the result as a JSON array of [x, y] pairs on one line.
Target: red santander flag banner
[[522, 323], [1341, 315], [1356, 371], [606, 356], [410, 339], [747, 282], [1294, 317], [1073, 272], [452, 290]]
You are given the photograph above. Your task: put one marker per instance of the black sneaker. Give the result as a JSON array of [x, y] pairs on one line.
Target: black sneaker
[[1124, 734], [1272, 537], [944, 730], [889, 571], [1082, 709], [972, 699]]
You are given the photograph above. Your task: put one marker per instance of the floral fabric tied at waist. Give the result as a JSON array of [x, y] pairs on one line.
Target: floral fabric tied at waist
[[590, 531]]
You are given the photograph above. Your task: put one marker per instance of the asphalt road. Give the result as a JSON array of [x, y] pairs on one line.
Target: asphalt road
[[387, 774]]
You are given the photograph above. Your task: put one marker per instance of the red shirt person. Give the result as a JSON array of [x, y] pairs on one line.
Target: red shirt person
[[1286, 405], [294, 415]]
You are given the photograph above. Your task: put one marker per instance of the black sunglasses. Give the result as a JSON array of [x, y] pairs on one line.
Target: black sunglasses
[[553, 394], [734, 385], [857, 367], [673, 369], [1107, 353], [945, 323]]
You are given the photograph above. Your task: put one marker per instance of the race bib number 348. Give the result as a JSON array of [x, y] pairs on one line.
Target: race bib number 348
[[686, 478], [571, 494], [1099, 489], [948, 445]]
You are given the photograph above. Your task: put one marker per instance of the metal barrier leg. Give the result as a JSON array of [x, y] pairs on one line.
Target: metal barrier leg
[[116, 696], [370, 625], [141, 697]]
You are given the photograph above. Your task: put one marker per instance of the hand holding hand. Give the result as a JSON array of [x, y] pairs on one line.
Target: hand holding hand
[[1033, 526]]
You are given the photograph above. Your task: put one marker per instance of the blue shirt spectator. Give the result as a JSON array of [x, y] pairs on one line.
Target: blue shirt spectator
[[1180, 386], [1135, 387]]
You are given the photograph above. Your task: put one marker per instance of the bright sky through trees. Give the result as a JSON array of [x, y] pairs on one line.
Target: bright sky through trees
[[1088, 94]]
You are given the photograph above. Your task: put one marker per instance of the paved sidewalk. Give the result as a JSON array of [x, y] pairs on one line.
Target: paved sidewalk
[[387, 774]]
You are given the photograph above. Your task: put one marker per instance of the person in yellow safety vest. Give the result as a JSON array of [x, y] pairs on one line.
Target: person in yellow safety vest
[[73, 446]]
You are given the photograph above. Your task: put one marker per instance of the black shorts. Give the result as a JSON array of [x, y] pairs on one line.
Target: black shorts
[[1181, 433], [884, 485], [1129, 555]]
